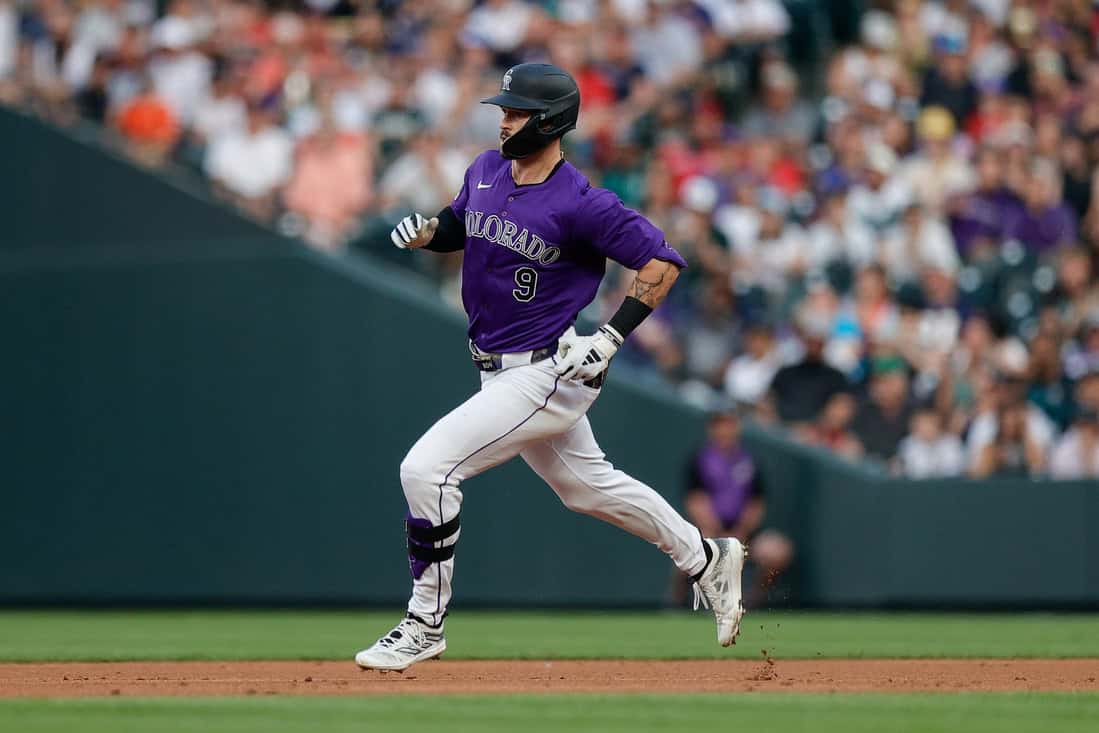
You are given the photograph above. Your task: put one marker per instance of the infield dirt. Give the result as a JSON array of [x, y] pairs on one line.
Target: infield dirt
[[606, 676]]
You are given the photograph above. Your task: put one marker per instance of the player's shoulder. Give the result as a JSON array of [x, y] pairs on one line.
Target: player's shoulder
[[588, 196], [489, 161]]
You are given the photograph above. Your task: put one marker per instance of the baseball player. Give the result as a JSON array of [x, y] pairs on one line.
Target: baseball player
[[536, 237]]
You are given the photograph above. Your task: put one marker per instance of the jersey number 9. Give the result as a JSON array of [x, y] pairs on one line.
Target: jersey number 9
[[527, 280]]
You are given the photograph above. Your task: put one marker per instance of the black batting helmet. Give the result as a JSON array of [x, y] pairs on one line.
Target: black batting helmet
[[551, 95]]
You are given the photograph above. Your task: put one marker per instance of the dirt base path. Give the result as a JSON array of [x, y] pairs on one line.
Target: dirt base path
[[344, 678]]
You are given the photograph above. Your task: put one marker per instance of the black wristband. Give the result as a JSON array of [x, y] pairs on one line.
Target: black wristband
[[451, 234], [629, 316]]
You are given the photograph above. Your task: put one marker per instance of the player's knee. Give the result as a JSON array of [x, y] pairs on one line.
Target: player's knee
[[581, 501], [417, 471], [772, 550]]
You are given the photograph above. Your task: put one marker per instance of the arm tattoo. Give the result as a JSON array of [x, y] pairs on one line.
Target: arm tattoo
[[653, 281]]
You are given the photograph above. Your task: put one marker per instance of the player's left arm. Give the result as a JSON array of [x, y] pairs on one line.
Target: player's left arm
[[586, 357], [651, 284], [630, 239]]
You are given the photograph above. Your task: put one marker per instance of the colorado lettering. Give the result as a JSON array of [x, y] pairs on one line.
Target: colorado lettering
[[507, 234]]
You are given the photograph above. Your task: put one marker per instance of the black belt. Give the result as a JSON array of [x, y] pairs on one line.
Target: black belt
[[487, 361], [490, 362]]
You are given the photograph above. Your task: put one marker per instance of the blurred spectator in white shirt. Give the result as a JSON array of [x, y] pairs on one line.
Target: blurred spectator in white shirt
[[222, 113], [436, 89], [994, 10], [425, 177], [990, 59], [874, 59], [880, 198], [919, 242], [839, 235], [195, 15], [928, 452], [251, 165], [1013, 449], [501, 25], [128, 73], [777, 252], [667, 46], [926, 337], [748, 21], [780, 112], [738, 220], [1007, 392], [181, 74], [99, 24], [1076, 454], [60, 62], [749, 376], [944, 18]]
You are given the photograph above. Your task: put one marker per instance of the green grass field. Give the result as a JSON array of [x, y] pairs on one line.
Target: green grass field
[[111, 635], [994, 713], [165, 635]]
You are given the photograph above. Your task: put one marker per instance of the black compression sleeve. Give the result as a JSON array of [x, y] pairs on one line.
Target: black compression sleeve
[[451, 234], [629, 316]]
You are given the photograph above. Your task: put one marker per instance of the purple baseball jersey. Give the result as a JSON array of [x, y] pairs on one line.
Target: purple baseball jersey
[[535, 254]]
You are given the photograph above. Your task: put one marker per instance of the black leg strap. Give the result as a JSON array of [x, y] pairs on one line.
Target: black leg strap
[[430, 535], [430, 554]]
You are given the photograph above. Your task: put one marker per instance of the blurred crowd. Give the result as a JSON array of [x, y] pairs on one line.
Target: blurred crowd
[[894, 243]]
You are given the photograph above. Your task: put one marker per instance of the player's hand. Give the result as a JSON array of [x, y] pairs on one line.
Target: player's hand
[[586, 357], [566, 342], [414, 231]]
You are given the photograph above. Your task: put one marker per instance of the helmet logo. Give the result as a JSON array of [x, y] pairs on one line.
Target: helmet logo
[[505, 86]]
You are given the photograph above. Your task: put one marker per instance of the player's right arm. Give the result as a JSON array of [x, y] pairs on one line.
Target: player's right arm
[[444, 232], [414, 231]]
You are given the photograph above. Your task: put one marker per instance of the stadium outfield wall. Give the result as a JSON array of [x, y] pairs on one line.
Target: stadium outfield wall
[[195, 410]]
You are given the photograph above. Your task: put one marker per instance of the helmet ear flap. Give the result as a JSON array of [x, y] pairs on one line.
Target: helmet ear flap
[[553, 125], [546, 125]]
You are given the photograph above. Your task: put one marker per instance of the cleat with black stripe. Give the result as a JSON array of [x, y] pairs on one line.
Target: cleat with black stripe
[[410, 642], [719, 587]]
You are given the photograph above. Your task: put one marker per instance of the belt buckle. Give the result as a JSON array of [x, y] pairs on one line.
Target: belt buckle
[[488, 362], [484, 360]]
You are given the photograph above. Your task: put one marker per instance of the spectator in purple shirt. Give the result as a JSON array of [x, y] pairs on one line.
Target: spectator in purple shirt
[[725, 499], [1046, 223], [978, 218]]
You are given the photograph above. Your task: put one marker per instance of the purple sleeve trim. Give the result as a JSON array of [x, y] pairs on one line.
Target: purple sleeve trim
[[667, 253]]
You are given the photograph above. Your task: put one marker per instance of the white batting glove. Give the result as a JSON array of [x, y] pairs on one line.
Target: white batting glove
[[566, 342], [586, 357], [414, 231]]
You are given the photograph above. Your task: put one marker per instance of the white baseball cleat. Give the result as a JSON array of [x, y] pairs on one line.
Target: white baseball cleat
[[719, 587], [410, 642]]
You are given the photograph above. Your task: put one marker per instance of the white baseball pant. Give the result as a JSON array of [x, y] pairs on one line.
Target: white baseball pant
[[530, 411]]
